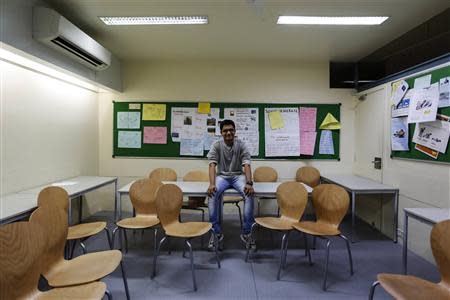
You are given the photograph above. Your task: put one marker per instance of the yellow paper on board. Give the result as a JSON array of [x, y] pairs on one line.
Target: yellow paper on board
[[204, 108], [276, 120], [395, 86], [154, 112], [330, 123]]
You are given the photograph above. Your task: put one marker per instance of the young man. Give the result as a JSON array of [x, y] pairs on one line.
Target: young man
[[230, 155]]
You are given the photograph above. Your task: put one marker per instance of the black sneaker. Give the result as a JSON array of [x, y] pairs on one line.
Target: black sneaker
[[211, 242], [248, 240]]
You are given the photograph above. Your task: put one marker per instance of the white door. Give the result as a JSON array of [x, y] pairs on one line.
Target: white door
[[369, 123]]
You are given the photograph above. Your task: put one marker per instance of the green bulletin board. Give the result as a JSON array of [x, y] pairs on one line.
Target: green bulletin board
[[172, 149], [436, 75]]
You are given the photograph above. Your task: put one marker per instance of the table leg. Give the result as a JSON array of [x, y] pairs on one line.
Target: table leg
[[405, 243], [353, 216], [395, 216], [116, 197]]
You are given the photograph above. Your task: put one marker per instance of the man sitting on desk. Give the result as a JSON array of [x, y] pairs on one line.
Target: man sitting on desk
[[229, 155]]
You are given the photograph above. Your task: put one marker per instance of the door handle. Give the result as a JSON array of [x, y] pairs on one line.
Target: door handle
[[377, 163]]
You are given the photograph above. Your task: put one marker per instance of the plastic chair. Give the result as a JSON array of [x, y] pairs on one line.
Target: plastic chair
[[308, 175], [292, 198], [163, 174], [330, 204], [264, 174], [79, 232], [169, 200], [411, 287], [142, 196], [196, 203], [22, 245], [58, 271]]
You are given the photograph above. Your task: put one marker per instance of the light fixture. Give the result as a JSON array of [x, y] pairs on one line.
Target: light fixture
[[156, 20], [323, 20]]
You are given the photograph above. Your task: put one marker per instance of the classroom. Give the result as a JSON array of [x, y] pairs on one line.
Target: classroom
[[211, 149]]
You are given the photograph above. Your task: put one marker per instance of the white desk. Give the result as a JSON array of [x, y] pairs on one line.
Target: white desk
[[428, 215], [199, 189], [359, 185], [19, 205]]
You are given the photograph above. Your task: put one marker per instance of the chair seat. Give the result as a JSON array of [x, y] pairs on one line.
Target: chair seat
[[93, 290], [410, 287], [84, 230], [275, 223], [232, 199], [188, 229], [84, 269], [316, 228], [138, 222]]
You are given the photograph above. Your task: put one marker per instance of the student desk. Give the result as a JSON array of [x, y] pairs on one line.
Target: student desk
[[19, 205], [359, 185], [199, 189], [428, 215]]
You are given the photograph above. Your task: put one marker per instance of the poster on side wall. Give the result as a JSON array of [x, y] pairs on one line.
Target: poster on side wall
[[424, 105], [399, 134], [433, 135], [402, 107], [444, 92], [284, 141], [399, 92]]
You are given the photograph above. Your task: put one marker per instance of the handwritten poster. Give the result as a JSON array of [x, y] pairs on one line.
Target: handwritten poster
[[308, 118], [284, 141], [128, 120], [326, 142], [424, 105], [307, 142], [191, 147], [433, 135], [154, 112], [129, 139], [155, 135]]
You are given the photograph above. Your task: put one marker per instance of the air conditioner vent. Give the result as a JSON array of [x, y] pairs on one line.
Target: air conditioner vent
[[78, 52]]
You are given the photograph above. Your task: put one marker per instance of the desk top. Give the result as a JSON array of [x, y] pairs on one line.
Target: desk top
[[357, 183], [430, 214], [13, 206], [191, 188]]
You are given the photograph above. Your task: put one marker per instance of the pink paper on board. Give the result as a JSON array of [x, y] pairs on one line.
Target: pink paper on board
[[155, 135], [307, 116], [307, 142]]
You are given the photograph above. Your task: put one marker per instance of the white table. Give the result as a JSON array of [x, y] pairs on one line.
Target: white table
[[20, 205], [359, 185], [199, 189], [428, 215]]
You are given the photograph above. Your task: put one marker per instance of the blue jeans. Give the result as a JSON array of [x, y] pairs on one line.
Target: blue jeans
[[215, 202]]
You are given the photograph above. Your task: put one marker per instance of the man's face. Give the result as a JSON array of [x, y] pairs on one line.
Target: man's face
[[228, 133]]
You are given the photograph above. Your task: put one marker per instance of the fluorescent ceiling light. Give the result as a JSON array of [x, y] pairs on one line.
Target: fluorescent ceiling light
[[156, 20], [310, 20]]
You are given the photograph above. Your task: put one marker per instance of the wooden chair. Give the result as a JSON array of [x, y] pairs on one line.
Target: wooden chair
[[163, 174], [142, 196], [264, 174], [21, 246], [292, 198], [308, 175], [411, 287], [330, 204], [196, 203], [79, 232], [169, 199], [58, 271]]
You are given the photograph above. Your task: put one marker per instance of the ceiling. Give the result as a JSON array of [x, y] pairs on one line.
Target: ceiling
[[246, 29]]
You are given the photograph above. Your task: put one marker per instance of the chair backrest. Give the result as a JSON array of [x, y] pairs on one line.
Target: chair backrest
[[54, 195], [163, 174], [53, 221], [440, 245], [169, 200], [143, 195], [265, 174], [21, 245], [292, 198], [201, 176], [308, 175], [330, 203]]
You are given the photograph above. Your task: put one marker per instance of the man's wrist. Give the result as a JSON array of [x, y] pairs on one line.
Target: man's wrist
[[250, 183]]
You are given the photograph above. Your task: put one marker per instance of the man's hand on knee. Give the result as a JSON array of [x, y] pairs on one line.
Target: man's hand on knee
[[248, 190], [211, 190]]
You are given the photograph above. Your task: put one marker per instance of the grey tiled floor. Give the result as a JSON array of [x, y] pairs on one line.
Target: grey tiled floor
[[372, 254]]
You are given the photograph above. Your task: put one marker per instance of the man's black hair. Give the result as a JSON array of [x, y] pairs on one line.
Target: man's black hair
[[227, 122]]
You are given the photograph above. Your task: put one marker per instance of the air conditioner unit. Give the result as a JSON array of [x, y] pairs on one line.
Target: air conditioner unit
[[52, 29]]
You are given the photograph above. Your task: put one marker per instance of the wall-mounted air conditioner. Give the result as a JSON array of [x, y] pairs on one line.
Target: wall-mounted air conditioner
[[52, 29]]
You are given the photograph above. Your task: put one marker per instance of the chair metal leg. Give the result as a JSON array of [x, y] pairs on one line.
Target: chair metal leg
[[285, 249], [108, 237], [192, 264], [113, 237], [108, 294], [372, 289], [240, 214], [349, 252], [247, 246], [83, 246], [324, 286], [216, 242], [126, 239], [283, 242], [307, 250], [154, 240], [155, 255], [125, 283], [259, 207]]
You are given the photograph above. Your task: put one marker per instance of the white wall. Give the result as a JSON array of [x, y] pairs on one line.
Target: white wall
[[48, 129], [421, 184], [222, 82]]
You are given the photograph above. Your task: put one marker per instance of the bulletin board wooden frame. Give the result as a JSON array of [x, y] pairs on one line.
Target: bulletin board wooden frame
[[172, 149]]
